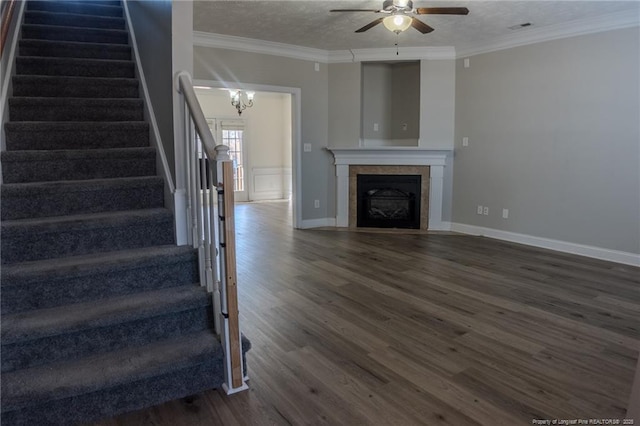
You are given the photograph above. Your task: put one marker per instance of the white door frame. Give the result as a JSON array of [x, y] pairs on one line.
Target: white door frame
[[296, 132]]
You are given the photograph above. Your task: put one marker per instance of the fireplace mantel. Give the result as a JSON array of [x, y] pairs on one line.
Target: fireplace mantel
[[390, 156]]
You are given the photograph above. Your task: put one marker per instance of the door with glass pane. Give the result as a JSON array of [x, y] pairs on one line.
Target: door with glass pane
[[232, 134]]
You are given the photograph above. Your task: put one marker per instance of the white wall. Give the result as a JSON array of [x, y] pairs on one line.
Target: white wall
[[267, 138], [554, 137]]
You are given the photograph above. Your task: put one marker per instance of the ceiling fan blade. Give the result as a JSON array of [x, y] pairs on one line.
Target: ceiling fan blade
[[421, 26], [369, 25], [442, 11], [355, 10]]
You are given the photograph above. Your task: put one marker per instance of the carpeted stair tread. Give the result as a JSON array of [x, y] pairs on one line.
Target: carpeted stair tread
[[42, 199], [67, 379], [75, 109], [46, 135], [74, 67], [45, 238], [83, 8], [89, 263], [79, 222], [36, 324], [73, 19], [74, 87], [70, 49], [79, 164], [88, 35], [53, 282]]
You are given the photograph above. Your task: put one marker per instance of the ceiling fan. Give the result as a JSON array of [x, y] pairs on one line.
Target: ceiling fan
[[398, 19]]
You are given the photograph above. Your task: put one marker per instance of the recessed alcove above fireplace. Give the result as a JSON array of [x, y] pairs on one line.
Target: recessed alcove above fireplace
[[427, 163]]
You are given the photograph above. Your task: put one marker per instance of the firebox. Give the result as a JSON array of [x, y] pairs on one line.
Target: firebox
[[388, 201]]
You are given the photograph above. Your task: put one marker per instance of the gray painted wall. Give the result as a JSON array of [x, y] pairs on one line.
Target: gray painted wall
[[405, 100], [554, 137], [318, 172], [344, 104], [376, 101], [437, 103], [151, 22]]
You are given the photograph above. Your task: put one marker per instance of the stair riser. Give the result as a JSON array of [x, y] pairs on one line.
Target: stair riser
[[116, 400], [79, 201], [82, 138], [79, 8], [74, 345], [70, 20], [33, 245], [85, 90], [77, 169], [74, 67], [107, 111], [72, 34], [74, 50], [26, 293]]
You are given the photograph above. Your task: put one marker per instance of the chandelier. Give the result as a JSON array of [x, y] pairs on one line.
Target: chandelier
[[238, 100]]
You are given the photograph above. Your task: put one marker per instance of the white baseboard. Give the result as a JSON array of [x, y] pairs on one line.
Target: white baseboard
[[318, 223], [443, 226], [563, 246]]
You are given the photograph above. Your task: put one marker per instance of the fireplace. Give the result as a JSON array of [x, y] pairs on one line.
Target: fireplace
[[388, 201], [428, 163]]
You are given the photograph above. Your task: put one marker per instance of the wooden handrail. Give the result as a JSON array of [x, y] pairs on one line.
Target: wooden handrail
[[7, 17]]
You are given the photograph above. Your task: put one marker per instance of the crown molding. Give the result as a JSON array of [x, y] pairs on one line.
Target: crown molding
[[613, 21], [597, 24], [250, 45], [389, 54], [317, 55]]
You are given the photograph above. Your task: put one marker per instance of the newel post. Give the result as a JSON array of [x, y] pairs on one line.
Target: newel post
[[233, 366]]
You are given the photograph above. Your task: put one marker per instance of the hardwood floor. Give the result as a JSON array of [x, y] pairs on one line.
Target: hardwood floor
[[355, 328]]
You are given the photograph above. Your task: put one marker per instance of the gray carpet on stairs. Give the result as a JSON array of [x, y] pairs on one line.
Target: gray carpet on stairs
[[101, 312]]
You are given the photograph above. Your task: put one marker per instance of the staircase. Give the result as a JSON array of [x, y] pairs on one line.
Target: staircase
[[101, 312]]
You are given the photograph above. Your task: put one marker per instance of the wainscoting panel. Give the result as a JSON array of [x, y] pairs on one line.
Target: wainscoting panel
[[270, 183]]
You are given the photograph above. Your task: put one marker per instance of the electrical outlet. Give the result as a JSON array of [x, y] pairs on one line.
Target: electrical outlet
[[316, 204], [485, 211], [307, 147], [505, 213], [465, 141], [479, 209], [376, 127]]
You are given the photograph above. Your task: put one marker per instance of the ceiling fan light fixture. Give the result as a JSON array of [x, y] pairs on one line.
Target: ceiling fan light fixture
[[397, 23]]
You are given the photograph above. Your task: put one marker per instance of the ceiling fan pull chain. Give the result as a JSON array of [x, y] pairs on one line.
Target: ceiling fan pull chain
[[397, 48]]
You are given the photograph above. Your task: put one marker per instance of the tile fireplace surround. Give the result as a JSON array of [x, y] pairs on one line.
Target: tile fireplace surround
[[389, 156]]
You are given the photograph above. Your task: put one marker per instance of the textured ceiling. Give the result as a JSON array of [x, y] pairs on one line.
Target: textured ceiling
[[310, 24]]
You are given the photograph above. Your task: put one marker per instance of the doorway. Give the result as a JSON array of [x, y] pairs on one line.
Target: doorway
[[261, 140]]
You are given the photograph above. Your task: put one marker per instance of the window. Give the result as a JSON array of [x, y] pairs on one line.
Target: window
[[232, 136]]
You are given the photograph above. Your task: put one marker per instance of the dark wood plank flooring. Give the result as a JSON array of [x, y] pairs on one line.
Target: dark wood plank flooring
[[356, 328]]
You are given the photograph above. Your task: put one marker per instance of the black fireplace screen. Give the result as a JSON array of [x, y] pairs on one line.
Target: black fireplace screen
[[389, 201]]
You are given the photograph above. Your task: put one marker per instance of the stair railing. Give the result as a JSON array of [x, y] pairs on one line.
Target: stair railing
[[209, 167], [7, 16]]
